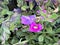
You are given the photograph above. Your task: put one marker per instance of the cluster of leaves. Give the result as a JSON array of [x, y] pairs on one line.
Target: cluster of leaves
[[12, 32]]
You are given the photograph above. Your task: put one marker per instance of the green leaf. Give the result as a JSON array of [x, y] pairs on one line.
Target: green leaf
[[49, 30], [55, 44], [21, 43], [1, 20], [5, 33], [12, 26], [6, 1], [53, 16], [55, 39], [58, 20], [41, 38], [6, 29], [25, 30], [20, 3], [14, 40], [6, 11], [49, 44], [31, 5], [43, 14], [48, 3], [24, 7], [57, 30], [3, 11], [6, 43], [17, 20], [49, 38]]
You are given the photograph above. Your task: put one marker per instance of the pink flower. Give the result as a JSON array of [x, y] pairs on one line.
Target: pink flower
[[34, 27], [44, 11]]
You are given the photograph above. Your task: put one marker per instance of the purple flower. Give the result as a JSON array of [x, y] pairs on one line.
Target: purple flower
[[43, 8], [38, 11], [34, 27], [28, 19], [44, 11], [17, 10]]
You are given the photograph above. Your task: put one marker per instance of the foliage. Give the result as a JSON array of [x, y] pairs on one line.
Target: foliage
[[13, 32]]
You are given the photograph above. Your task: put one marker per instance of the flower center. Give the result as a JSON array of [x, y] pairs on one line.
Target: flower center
[[35, 27]]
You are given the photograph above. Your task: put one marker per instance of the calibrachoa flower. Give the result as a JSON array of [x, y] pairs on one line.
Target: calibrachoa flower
[[38, 11], [44, 11], [34, 27], [28, 19]]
